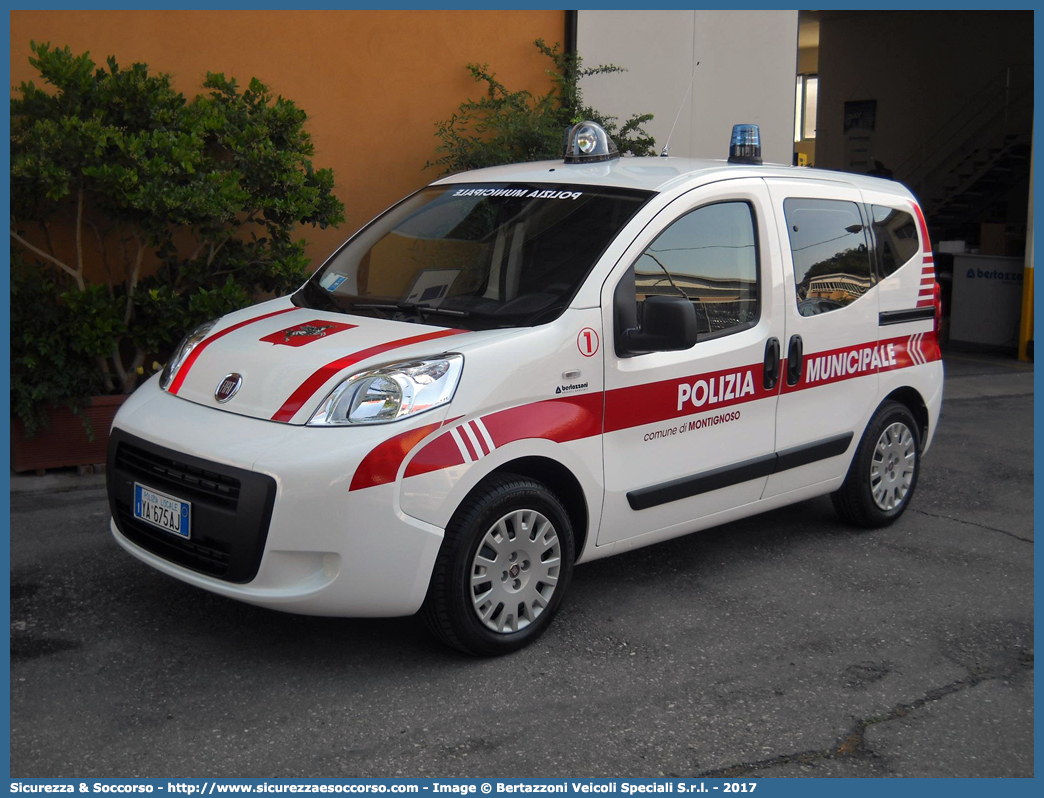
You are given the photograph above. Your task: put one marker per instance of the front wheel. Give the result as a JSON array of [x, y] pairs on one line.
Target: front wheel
[[883, 474], [503, 568]]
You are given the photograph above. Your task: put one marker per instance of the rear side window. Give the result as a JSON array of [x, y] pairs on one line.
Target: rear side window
[[896, 237], [709, 256], [831, 258]]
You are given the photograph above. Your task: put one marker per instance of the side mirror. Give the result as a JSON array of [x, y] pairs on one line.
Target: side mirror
[[668, 325]]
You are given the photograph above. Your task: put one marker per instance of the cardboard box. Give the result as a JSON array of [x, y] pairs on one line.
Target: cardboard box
[[992, 239], [996, 238]]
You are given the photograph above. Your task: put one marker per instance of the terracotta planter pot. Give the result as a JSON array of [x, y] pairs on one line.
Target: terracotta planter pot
[[64, 442]]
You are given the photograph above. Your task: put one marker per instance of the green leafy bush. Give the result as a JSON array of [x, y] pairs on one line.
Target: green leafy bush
[[49, 365], [205, 194], [506, 126]]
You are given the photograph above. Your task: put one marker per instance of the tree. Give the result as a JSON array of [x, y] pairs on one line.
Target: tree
[[506, 126], [208, 192]]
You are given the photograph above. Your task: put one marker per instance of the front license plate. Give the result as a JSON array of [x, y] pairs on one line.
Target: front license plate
[[162, 511]]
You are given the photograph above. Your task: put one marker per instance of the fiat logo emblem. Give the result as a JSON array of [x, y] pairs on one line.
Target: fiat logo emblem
[[228, 386]]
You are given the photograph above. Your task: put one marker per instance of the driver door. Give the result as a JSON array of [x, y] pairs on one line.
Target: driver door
[[691, 433]]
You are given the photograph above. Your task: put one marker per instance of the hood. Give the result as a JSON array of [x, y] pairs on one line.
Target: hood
[[290, 358]]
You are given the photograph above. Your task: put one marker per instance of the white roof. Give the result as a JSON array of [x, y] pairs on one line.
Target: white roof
[[658, 174]]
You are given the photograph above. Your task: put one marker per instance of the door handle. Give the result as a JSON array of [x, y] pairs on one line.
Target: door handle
[[771, 376], [794, 360]]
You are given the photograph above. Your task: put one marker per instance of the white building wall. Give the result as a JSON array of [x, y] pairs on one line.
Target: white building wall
[[746, 74]]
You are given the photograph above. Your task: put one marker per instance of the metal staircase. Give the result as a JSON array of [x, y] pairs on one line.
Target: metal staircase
[[964, 171]]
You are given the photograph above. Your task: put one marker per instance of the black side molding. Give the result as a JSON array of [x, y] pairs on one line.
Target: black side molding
[[812, 452], [902, 316], [644, 498], [727, 476]]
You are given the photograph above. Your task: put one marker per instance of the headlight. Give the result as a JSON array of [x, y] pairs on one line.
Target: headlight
[[391, 392], [188, 343]]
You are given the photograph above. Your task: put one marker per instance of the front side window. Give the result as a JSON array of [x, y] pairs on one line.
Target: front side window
[[475, 256], [896, 237], [710, 257], [831, 259]]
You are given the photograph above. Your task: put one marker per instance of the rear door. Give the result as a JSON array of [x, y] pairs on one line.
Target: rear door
[[689, 434], [829, 384]]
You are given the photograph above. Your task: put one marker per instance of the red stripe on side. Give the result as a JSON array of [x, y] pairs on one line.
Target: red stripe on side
[[321, 375], [483, 449], [558, 420], [926, 243], [837, 365], [582, 416], [925, 303], [904, 359], [381, 465], [928, 281], [639, 405], [179, 380], [439, 454], [468, 445]]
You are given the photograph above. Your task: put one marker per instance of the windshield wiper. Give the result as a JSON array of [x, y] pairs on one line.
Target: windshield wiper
[[381, 306], [432, 309], [310, 297], [411, 307]]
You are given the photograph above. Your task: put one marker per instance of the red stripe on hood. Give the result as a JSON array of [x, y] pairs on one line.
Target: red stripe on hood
[[179, 379], [320, 376]]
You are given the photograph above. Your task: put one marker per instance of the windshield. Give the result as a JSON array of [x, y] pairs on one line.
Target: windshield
[[474, 256]]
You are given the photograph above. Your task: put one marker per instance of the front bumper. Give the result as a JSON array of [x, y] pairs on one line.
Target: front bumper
[[290, 535], [231, 507]]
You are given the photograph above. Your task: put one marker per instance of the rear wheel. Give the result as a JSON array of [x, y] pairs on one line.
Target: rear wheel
[[884, 470], [503, 568]]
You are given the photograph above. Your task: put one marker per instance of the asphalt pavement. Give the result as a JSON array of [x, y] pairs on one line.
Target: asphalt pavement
[[781, 645]]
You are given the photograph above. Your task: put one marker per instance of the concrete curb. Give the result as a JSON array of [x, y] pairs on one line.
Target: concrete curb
[[55, 483], [984, 386]]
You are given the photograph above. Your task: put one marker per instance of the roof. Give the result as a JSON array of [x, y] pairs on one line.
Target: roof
[[658, 174]]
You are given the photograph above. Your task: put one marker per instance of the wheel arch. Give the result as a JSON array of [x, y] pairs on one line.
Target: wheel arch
[[560, 481], [914, 402]]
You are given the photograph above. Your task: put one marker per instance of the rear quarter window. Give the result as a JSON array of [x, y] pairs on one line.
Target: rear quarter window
[[895, 234]]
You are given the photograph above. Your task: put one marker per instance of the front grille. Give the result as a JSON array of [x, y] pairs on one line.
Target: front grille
[[209, 559], [231, 507], [163, 472]]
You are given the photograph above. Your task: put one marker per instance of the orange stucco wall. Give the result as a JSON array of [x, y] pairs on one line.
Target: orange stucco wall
[[373, 82]]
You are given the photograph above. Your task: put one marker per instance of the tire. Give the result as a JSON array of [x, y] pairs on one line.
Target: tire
[[878, 488], [499, 531]]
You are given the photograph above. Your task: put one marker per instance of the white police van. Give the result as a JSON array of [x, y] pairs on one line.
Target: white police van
[[521, 368]]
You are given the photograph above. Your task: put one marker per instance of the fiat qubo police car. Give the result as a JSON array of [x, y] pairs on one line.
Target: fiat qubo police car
[[522, 368]]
